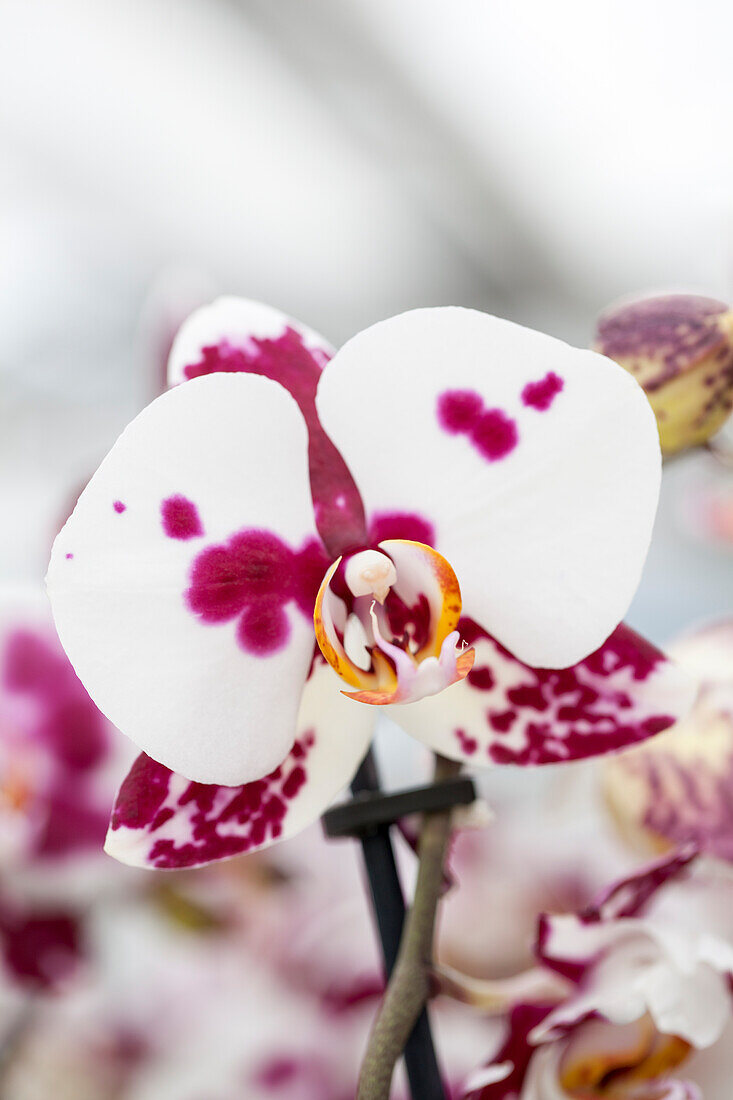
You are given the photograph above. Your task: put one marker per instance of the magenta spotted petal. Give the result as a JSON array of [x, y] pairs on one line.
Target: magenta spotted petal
[[197, 648], [164, 821], [508, 713]]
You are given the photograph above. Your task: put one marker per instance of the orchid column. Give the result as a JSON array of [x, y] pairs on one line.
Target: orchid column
[[447, 519]]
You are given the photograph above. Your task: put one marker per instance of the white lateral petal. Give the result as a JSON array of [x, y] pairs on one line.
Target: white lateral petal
[[161, 820], [176, 586], [538, 465]]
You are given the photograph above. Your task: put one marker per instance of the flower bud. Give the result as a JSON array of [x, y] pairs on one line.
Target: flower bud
[[679, 348]]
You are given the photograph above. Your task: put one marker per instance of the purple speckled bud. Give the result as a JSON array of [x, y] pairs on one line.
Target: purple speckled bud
[[680, 350]]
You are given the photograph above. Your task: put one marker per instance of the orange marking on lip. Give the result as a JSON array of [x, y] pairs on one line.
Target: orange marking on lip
[[337, 660], [464, 664], [420, 571]]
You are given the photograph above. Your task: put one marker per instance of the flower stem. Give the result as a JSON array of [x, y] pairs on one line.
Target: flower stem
[[423, 1072], [409, 985]]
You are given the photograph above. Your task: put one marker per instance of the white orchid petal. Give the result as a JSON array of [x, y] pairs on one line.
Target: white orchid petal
[[175, 584], [537, 464]]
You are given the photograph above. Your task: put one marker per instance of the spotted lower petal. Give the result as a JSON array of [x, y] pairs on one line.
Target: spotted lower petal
[[537, 465], [505, 712], [162, 820], [183, 585], [234, 335]]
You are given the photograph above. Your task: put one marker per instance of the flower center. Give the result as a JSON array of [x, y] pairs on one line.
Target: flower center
[[386, 620]]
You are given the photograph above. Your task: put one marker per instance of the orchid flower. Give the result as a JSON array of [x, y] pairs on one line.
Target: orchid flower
[[680, 789], [459, 506], [643, 995]]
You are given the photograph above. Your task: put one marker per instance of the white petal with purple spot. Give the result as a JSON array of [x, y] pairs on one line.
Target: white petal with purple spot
[[537, 463], [176, 584]]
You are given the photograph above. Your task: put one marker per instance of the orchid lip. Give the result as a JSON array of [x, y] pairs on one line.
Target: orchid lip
[[386, 619]]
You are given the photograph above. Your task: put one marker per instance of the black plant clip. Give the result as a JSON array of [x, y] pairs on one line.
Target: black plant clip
[[368, 811]]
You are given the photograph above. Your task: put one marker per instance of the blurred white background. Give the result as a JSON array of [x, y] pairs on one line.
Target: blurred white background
[[344, 160]]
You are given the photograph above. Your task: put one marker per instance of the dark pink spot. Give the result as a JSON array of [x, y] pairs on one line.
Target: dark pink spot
[[142, 794], [495, 435], [481, 678], [224, 578], [401, 525], [162, 816], [502, 721], [468, 744], [263, 628], [459, 410], [180, 518], [527, 695], [294, 782], [69, 556], [657, 723], [119, 507], [311, 564], [540, 395], [255, 575]]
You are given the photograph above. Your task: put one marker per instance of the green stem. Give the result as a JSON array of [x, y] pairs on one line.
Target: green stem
[[410, 984]]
